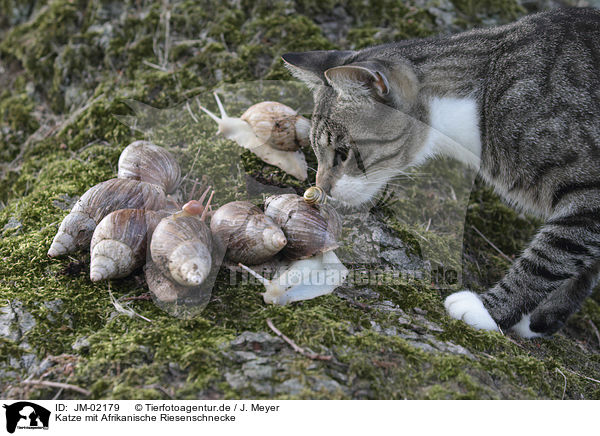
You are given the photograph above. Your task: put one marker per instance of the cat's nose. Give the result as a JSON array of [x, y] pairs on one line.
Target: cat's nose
[[324, 181]]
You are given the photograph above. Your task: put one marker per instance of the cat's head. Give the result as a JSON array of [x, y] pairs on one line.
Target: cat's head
[[365, 127]]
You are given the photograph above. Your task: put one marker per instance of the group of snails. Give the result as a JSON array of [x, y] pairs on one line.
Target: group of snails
[[133, 220]]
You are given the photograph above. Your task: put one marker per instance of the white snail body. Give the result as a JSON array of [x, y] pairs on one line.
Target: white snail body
[[260, 142], [249, 235], [119, 242], [142, 160], [76, 229], [309, 230], [181, 246], [303, 279]]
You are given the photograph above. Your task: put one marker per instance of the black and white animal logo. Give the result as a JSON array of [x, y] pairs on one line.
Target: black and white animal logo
[[24, 414]]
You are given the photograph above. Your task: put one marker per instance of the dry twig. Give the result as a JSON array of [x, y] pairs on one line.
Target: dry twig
[[583, 376], [51, 384], [565, 386], [296, 347], [595, 329], [492, 245]]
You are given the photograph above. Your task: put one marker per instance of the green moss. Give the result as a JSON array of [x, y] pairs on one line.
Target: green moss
[[508, 9], [99, 56]]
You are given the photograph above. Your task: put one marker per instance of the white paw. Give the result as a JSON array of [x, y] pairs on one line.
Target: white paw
[[522, 328], [466, 306]]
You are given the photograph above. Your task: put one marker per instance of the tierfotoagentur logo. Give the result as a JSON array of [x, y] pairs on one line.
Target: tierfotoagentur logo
[[24, 415]]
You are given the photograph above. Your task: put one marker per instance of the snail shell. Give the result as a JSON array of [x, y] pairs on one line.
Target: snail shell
[[240, 131], [163, 288], [309, 230], [119, 242], [142, 160], [278, 125], [315, 195], [181, 248], [76, 229], [251, 237]]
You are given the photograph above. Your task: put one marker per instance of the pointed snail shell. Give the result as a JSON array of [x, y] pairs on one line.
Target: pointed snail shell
[[119, 242], [162, 287], [142, 160], [251, 237], [309, 230], [75, 231], [278, 125], [181, 249]]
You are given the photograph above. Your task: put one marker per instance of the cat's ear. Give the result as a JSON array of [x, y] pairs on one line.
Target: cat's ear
[[353, 80], [310, 66], [397, 82]]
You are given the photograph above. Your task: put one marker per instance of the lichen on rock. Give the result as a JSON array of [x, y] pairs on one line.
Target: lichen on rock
[[69, 68]]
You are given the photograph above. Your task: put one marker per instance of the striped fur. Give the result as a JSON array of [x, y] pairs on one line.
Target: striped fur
[[535, 85]]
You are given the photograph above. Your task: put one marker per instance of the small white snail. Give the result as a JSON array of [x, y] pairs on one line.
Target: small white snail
[[76, 229], [119, 242], [303, 279], [142, 160], [309, 230], [272, 131], [181, 244], [249, 235]]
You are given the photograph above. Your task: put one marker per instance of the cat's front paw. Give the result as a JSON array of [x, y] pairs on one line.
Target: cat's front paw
[[468, 307]]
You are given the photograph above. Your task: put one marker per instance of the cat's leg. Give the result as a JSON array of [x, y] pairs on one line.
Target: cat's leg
[[557, 268], [552, 313]]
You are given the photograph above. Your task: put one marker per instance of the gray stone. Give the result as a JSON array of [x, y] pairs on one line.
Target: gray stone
[[450, 347], [235, 380], [15, 321], [397, 257], [257, 342], [423, 346], [292, 386], [65, 202], [325, 384], [243, 356], [383, 238], [81, 343], [258, 369], [12, 224], [28, 362], [8, 329], [54, 307]]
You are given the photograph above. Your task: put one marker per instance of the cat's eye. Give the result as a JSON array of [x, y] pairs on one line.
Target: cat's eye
[[341, 155]]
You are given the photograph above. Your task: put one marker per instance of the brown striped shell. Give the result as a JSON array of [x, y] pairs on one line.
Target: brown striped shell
[[181, 248], [250, 236], [315, 195], [119, 242], [162, 287], [278, 125], [310, 230], [142, 160], [75, 231]]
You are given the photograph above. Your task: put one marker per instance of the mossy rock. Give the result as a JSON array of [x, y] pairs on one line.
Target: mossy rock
[[76, 66]]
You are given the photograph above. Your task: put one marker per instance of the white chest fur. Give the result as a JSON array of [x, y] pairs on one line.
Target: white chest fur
[[454, 131]]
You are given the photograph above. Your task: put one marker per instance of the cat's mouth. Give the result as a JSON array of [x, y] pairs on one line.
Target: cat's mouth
[[356, 190]]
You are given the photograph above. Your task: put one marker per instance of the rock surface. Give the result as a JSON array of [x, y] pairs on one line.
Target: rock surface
[[70, 72]]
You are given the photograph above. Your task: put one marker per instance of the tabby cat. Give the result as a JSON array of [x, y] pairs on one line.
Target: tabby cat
[[520, 102]]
